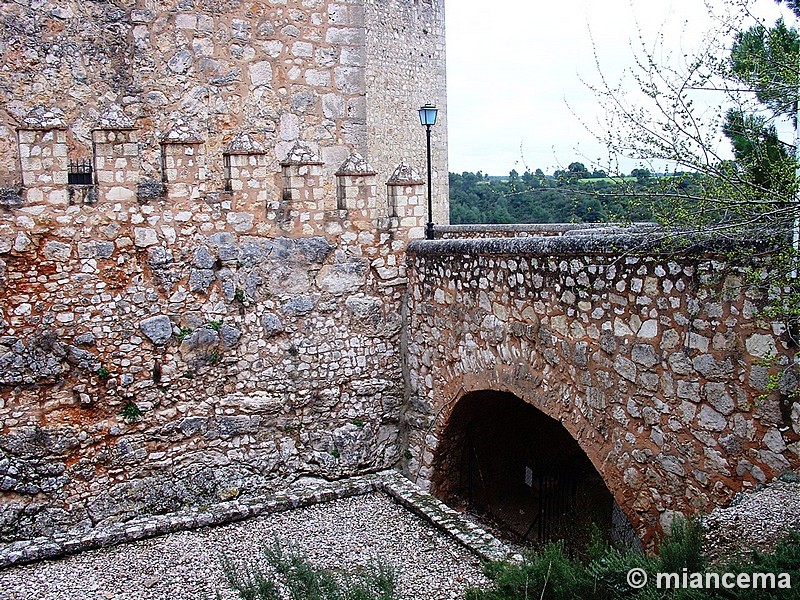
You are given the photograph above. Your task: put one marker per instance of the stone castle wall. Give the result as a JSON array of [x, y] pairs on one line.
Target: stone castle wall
[[406, 42], [660, 366], [204, 213], [179, 352], [335, 75], [213, 309]]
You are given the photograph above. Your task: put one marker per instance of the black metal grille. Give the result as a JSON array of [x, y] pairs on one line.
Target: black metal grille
[[79, 173], [556, 491]]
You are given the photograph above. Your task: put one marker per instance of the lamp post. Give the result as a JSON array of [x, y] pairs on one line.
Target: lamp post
[[427, 116]]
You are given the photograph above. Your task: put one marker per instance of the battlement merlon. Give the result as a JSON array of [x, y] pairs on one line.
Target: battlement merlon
[[331, 75]]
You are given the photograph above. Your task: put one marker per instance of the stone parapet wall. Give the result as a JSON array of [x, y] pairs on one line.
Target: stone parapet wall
[[283, 72], [117, 166], [306, 492], [43, 165], [660, 365]]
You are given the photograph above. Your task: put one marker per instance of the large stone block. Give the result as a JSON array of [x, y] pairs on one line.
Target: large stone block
[[157, 329]]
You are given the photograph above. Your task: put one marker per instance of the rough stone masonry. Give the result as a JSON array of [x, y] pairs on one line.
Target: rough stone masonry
[[205, 290], [661, 365], [205, 207]]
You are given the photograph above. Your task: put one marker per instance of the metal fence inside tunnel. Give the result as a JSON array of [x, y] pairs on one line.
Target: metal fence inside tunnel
[[501, 457]]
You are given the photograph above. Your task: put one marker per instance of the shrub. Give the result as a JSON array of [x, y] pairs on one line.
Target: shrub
[[130, 412], [289, 574], [549, 574], [103, 374]]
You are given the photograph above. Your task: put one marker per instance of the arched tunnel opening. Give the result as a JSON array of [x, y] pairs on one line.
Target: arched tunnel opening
[[503, 459]]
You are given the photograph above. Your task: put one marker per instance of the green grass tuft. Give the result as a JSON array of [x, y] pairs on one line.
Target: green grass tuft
[[288, 574]]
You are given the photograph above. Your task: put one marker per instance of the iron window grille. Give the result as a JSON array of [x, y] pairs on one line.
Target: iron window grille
[[80, 173]]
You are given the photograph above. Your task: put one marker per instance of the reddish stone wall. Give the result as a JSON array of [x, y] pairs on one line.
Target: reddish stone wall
[[158, 352], [656, 365]]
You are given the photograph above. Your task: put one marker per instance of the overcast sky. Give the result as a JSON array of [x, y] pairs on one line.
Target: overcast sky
[[515, 71]]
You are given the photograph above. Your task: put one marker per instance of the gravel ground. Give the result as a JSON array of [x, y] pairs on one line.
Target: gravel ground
[[755, 521], [345, 533]]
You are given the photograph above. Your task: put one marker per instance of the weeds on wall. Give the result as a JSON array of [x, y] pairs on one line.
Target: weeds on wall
[[103, 374], [288, 574], [130, 412]]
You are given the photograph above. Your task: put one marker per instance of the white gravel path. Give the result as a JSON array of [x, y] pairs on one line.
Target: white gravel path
[[755, 521], [429, 564]]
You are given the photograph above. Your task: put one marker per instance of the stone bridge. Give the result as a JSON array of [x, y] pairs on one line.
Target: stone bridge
[[659, 365]]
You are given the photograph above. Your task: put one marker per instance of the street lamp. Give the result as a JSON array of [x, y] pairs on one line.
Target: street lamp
[[427, 116]]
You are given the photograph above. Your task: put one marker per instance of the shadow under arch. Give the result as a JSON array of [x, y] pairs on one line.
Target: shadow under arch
[[504, 458]]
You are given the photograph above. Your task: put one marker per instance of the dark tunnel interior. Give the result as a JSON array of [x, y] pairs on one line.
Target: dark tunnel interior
[[507, 461]]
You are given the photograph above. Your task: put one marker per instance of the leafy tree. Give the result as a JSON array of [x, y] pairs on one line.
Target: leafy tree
[[758, 73], [792, 4], [539, 199], [766, 60], [578, 170], [759, 152]]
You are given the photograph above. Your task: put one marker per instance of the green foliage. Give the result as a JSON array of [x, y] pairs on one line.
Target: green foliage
[[215, 325], [184, 332], [358, 422], [103, 374], [784, 559], [239, 296], [550, 574], [335, 453], [759, 152], [765, 58], [779, 380], [752, 196], [682, 549], [130, 412], [572, 196], [794, 5], [407, 454], [288, 574]]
